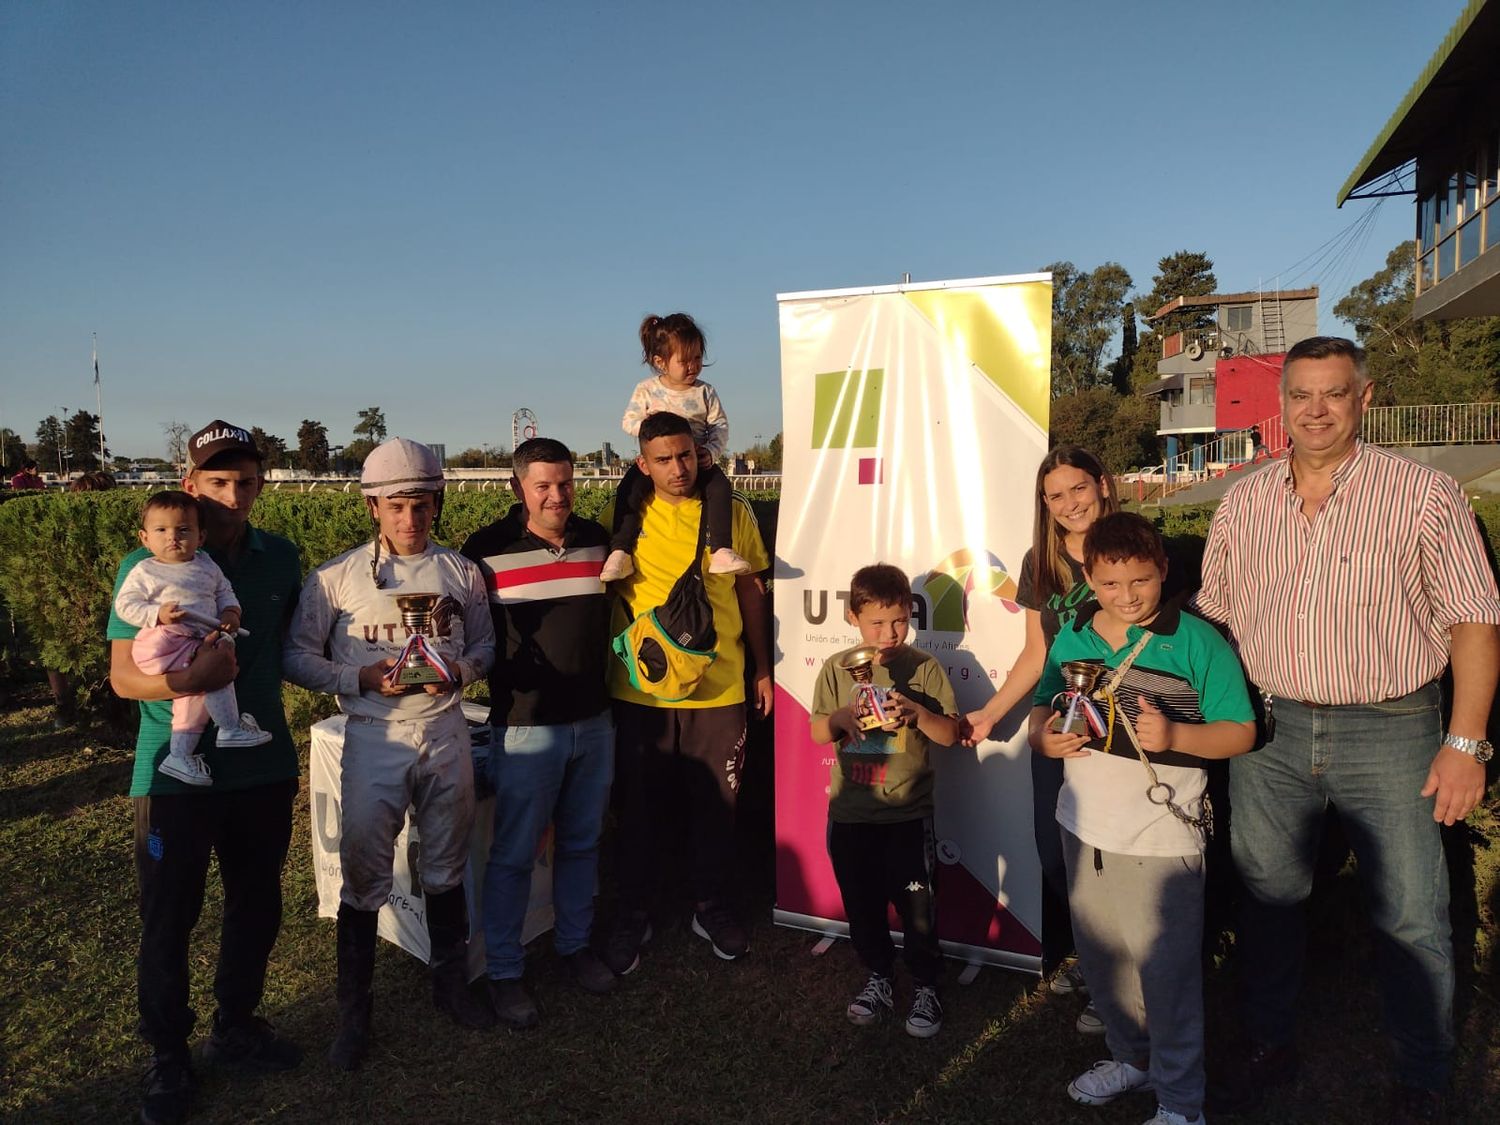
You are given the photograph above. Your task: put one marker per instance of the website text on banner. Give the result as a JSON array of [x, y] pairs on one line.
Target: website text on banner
[[914, 418]]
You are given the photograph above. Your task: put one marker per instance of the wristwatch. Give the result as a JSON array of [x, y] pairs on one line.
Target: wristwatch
[[1478, 748]]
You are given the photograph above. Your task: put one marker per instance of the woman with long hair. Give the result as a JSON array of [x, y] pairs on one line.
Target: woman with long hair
[[1073, 489]]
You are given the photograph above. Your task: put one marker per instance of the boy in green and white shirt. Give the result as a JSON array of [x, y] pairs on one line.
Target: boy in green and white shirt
[[1133, 834]]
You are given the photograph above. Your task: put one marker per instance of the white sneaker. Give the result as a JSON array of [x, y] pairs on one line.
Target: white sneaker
[[725, 561], [249, 734], [1105, 1081], [926, 1018], [1167, 1117], [616, 567], [1088, 1022], [190, 768], [873, 1001]]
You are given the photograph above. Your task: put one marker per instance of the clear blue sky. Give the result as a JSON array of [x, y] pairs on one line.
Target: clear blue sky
[[273, 211]]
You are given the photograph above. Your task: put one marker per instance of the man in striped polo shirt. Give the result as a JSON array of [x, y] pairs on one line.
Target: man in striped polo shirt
[[553, 760], [1350, 577]]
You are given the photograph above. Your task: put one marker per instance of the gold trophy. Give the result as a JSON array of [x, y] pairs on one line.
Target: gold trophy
[[1082, 678], [869, 697], [418, 664]]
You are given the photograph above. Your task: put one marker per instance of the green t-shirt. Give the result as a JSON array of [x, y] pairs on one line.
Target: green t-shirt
[[266, 582], [886, 778]]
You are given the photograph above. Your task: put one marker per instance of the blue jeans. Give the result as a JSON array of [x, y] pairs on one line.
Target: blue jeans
[[558, 774], [1370, 761]]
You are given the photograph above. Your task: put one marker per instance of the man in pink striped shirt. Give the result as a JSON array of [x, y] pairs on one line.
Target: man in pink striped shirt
[[1350, 577]]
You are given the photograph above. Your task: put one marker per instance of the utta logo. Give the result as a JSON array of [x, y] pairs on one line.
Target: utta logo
[[951, 584]]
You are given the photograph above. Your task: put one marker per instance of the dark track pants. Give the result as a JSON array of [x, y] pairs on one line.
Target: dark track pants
[[249, 830]]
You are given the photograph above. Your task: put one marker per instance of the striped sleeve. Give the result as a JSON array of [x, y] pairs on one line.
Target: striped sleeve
[[1211, 600], [1456, 571]]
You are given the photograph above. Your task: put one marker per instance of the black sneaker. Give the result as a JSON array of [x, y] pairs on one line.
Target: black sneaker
[[717, 925], [926, 1018], [250, 1045], [590, 973], [513, 1005], [623, 952], [167, 1090]]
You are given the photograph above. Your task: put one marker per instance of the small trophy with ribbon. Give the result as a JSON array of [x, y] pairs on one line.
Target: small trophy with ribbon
[[869, 697], [1080, 715], [418, 663]]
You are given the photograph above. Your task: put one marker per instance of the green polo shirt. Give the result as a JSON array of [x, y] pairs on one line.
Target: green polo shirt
[[1186, 669], [266, 581]]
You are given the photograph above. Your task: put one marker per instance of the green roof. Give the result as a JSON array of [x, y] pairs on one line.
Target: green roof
[[1466, 57]]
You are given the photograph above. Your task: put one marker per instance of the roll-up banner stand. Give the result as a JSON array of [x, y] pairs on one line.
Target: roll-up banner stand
[[914, 418]]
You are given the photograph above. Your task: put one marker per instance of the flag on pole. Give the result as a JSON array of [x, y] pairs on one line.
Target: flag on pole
[[96, 366]]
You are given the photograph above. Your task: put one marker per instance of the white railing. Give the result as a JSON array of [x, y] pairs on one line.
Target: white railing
[[1457, 423]]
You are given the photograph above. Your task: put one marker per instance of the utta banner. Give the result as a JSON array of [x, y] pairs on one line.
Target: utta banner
[[914, 418]]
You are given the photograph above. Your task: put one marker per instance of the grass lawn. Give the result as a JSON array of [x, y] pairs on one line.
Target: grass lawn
[[686, 1039]]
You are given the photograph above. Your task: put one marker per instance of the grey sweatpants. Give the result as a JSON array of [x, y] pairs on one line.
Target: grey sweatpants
[[1138, 925]]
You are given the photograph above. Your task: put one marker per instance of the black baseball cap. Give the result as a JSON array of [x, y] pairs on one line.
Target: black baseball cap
[[216, 439]]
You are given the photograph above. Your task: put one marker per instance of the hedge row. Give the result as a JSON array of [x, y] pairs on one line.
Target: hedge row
[[59, 552]]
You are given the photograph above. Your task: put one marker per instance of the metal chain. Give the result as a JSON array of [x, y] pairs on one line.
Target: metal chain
[[1158, 792]]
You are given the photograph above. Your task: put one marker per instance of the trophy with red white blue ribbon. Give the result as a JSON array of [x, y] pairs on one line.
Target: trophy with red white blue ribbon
[[1080, 715]]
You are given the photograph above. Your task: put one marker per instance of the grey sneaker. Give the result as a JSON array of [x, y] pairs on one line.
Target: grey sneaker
[[513, 1005], [249, 734], [1105, 1081], [1067, 981], [874, 1000], [1165, 1116], [1088, 1022], [926, 1017], [190, 768]]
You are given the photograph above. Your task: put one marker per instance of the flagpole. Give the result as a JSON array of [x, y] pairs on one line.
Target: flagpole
[[99, 405]]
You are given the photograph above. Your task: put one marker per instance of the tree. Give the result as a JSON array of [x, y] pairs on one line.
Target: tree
[[766, 455], [12, 451], [1186, 273], [1085, 308], [312, 446], [1411, 362], [356, 451], [273, 452], [371, 426], [1121, 429], [486, 457], [1119, 370], [50, 442], [176, 434], [470, 458], [81, 432]]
